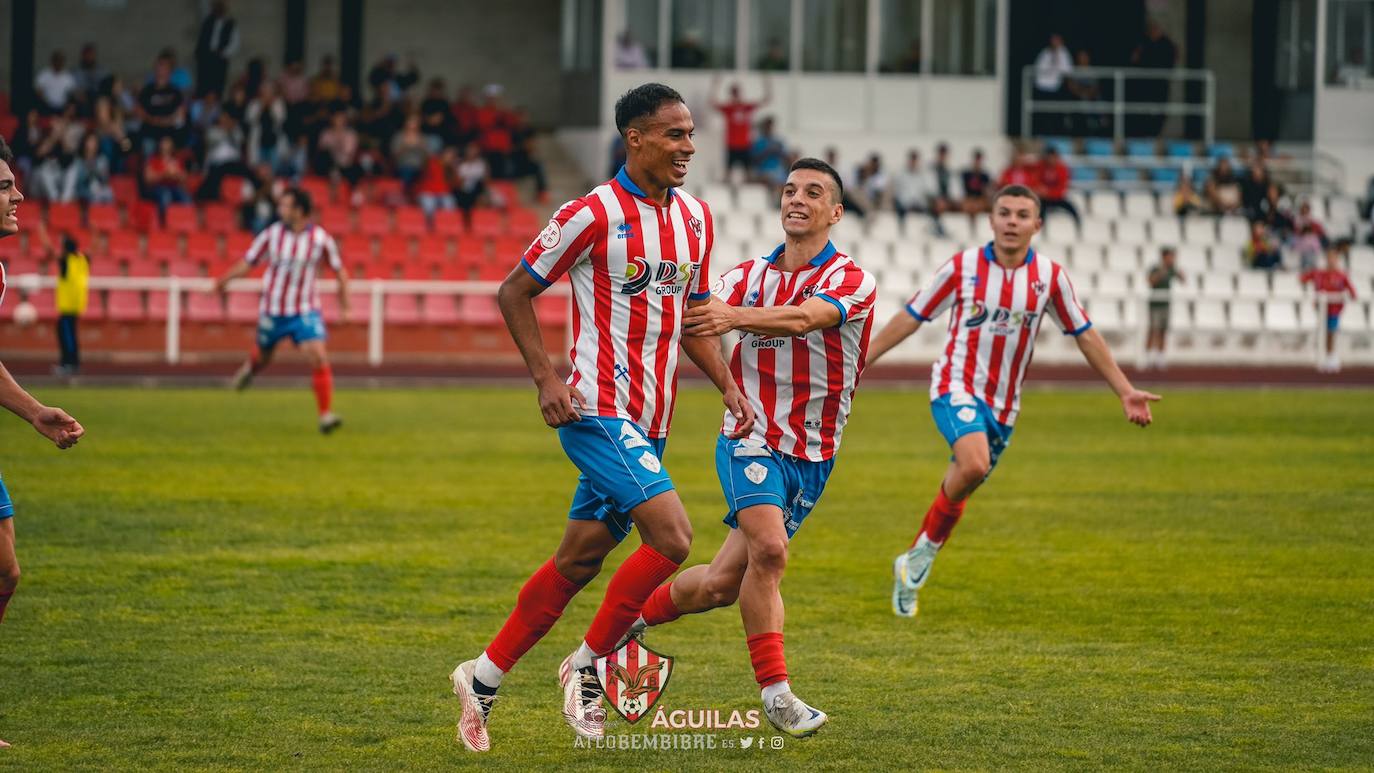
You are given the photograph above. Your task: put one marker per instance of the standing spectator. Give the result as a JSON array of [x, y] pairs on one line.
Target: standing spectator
[[1333, 284], [436, 115], [1161, 277], [88, 178], [944, 181], [524, 161], [1052, 66], [382, 117], [161, 107], [1086, 88], [1186, 200], [252, 78], [409, 150], [324, 86], [977, 186], [294, 88], [1253, 189], [91, 78], [1262, 251], [1158, 52], [472, 178], [337, 150], [494, 137], [434, 189], [774, 57], [266, 121], [1053, 185], [50, 164], [385, 75], [768, 156], [73, 279], [1223, 189], [913, 190], [215, 45], [630, 53], [465, 111], [739, 120], [55, 84], [688, 53], [1309, 238], [164, 178]]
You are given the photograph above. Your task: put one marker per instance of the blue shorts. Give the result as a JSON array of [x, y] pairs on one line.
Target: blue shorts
[[959, 415], [622, 468], [6, 505], [1333, 322], [300, 328], [752, 474]]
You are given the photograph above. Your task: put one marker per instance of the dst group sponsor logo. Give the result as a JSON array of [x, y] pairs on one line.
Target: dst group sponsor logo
[[667, 278]]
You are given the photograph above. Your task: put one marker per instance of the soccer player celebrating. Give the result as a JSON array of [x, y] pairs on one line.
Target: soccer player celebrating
[[293, 248], [997, 295], [637, 251], [52, 423], [805, 312]]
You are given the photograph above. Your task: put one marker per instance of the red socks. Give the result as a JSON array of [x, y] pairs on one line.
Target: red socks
[[633, 583], [941, 518], [765, 651], [537, 608], [4, 602], [323, 380], [660, 609]]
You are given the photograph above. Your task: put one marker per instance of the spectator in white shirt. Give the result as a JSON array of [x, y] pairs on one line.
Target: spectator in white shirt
[[915, 189], [629, 53], [55, 84], [1052, 66]]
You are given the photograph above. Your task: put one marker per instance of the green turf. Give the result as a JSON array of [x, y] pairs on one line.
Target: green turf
[[209, 584]]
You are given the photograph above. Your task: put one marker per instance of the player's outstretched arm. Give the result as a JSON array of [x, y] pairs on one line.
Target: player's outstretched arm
[[897, 330], [558, 402], [238, 271], [52, 423], [1134, 402], [718, 317], [341, 274], [705, 352]]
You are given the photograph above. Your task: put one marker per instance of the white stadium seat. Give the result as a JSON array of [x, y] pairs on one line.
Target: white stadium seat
[[1179, 316], [1307, 316], [1209, 315], [1106, 314], [1357, 318], [1191, 259], [1217, 285], [1087, 256], [720, 196], [738, 225], [885, 226], [759, 247], [908, 255], [1233, 230], [1060, 227], [1253, 285], [755, 198], [1099, 231], [1200, 229], [1166, 232], [1113, 283], [1131, 231], [1286, 287], [1342, 209], [871, 252], [957, 228], [1282, 317], [1245, 317], [1140, 204], [1107, 204], [1122, 257]]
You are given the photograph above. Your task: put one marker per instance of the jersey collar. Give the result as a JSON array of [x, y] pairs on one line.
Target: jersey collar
[[623, 178], [992, 256], [825, 254]]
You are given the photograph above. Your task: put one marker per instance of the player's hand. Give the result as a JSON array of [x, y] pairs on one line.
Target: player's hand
[[56, 425], [709, 319], [1136, 404], [559, 403], [221, 286], [739, 407]]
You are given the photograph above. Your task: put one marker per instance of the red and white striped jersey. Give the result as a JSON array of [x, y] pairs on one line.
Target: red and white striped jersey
[[633, 265], [801, 387], [996, 314], [2, 282], [288, 287]]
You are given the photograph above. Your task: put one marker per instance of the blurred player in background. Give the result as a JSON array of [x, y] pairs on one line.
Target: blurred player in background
[[998, 295], [52, 423], [637, 251], [293, 249], [1333, 284], [805, 313]]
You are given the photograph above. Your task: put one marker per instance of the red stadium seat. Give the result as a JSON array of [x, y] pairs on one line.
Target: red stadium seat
[[359, 306], [521, 221], [441, 309], [356, 247], [411, 222], [231, 190], [157, 305], [508, 251], [141, 266], [21, 264], [488, 223], [435, 248], [503, 192], [124, 306], [203, 246], [10, 248], [386, 191], [95, 307], [44, 301], [337, 220], [103, 218], [491, 271], [184, 268], [124, 187], [204, 307], [395, 248], [551, 309], [449, 222], [220, 218], [470, 250], [243, 306], [402, 309], [182, 219], [318, 188], [375, 221], [236, 245], [123, 245], [63, 217], [480, 310], [419, 270], [163, 246]]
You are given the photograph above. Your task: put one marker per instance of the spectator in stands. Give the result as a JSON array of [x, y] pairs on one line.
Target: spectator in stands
[[1333, 285], [88, 178], [774, 57], [436, 115], [201, 114], [1253, 189], [223, 156], [1223, 189], [1186, 200], [768, 156], [1086, 88], [409, 150], [1161, 277], [294, 88], [877, 183], [494, 136], [739, 122], [381, 117], [473, 177], [324, 85], [50, 164], [1052, 66], [108, 126], [524, 161], [337, 150], [73, 294], [161, 107], [630, 53], [1262, 251], [1156, 51], [236, 104], [434, 189], [914, 190], [266, 121], [977, 186], [91, 78], [858, 189], [1023, 171], [385, 75], [1274, 214], [164, 178], [688, 53], [180, 77], [55, 85], [1309, 240], [944, 179], [1053, 185], [217, 42], [465, 111]]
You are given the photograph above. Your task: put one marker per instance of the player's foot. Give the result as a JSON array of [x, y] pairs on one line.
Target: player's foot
[[582, 708], [472, 724], [244, 377], [909, 573], [330, 422], [789, 714], [636, 632], [4, 745]]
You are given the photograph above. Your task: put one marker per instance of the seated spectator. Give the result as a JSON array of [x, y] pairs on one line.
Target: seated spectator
[[161, 107], [1186, 200], [55, 85], [223, 156], [1272, 211], [294, 88], [767, 156], [381, 117], [50, 166], [108, 126], [1253, 190], [493, 129], [324, 86], [913, 190], [88, 178], [177, 74], [630, 53], [164, 178], [856, 190], [1262, 251], [1223, 189], [688, 53], [409, 149], [940, 172], [1053, 185], [1309, 238], [472, 178], [876, 183], [266, 121], [774, 57], [465, 117], [438, 179], [1023, 171], [524, 161], [977, 186], [337, 150], [388, 78], [436, 116]]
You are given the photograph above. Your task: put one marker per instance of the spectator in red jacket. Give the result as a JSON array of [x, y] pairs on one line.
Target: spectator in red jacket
[[739, 124], [1333, 284], [1023, 171], [1053, 185], [494, 132]]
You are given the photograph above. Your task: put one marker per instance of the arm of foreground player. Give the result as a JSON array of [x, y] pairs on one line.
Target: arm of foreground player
[[52, 423], [241, 269], [705, 352], [1135, 402], [558, 402], [894, 332], [716, 317]]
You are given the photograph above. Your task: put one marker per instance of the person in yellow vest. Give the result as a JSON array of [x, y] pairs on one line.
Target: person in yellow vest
[[73, 278]]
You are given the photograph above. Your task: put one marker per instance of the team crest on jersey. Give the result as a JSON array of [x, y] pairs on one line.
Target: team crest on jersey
[[551, 235], [809, 291], [695, 225], [1038, 287], [633, 678]]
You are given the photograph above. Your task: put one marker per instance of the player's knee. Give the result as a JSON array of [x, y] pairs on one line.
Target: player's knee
[[675, 544], [578, 569], [769, 554], [975, 468]]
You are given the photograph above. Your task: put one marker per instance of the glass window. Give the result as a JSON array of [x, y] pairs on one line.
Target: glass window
[[581, 35], [1349, 41], [965, 37], [703, 34], [835, 35], [770, 34], [900, 49], [636, 46]]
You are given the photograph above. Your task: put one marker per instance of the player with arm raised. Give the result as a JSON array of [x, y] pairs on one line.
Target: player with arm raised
[[636, 250], [997, 296]]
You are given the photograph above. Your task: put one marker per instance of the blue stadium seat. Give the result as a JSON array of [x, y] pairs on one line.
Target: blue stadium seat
[[1140, 148], [1166, 174], [1178, 148], [1062, 144], [1125, 175], [1221, 150], [1200, 176], [1097, 146], [1084, 174]]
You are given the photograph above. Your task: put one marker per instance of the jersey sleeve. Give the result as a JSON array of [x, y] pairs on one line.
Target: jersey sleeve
[[733, 284], [331, 253], [701, 286], [852, 290], [259, 246], [1068, 313], [564, 242], [938, 294]]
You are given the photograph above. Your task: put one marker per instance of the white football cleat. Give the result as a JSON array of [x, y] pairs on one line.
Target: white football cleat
[[582, 708], [789, 714], [472, 724], [909, 572]]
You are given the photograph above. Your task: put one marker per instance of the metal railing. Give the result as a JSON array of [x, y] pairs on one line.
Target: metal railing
[[1118, 107]]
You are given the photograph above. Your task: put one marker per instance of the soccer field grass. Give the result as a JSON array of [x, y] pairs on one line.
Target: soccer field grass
[[210, 584]]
